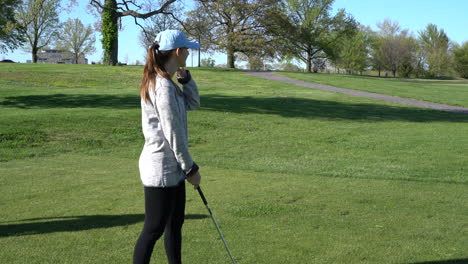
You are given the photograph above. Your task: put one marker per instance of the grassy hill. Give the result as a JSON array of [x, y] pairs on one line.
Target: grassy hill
[[451, 92], [294, 175]]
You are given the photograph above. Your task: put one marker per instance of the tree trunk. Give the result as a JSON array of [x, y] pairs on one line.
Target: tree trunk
[[309, 61], [34, 54], [115, 48], [110, 33], [230, 57], [199, 52]]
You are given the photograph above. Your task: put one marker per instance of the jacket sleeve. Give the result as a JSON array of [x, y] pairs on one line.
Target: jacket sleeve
[[191, 96], [172, 127]]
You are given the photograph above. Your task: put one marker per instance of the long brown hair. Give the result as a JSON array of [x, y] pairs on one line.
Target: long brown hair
[[155, 60]]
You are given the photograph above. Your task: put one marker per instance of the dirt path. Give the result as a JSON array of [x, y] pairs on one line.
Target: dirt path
[[389, 98]]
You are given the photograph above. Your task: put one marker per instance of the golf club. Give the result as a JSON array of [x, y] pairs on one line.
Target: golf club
[[216, 223]]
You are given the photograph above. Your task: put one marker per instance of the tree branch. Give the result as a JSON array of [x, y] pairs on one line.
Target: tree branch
[[146, 15], [129, 12]]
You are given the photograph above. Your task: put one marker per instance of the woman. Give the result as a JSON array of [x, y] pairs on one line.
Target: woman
[[165, 161]]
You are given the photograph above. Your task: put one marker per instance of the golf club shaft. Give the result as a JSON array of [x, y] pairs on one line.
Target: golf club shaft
[[216, 223]]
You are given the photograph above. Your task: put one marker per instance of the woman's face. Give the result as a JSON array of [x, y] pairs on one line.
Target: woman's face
[[181, 56]]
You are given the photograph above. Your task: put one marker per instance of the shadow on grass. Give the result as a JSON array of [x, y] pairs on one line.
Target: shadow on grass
[[319, 109], [450, 261], [437, 80], [74, 223], [283, 106], [73, 101]]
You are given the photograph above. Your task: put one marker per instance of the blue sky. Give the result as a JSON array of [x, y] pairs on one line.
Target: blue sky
[[412, 14]]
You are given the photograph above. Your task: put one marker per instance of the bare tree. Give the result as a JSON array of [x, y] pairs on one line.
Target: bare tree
[[112, 11], [392, 48], [198, 26], [77, 39], [169, 19], [236, 27], [39, 23]]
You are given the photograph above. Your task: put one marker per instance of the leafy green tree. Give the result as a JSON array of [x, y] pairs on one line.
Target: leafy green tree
[[10, 36], [461, 60], [77, 39], [39, 23], [290, 67], [354, 51], [409, 59], [113, 10], [237, 27], [436, 45], [419, 60], [207, 62], [255, 63], [376, 57], [308, 30]]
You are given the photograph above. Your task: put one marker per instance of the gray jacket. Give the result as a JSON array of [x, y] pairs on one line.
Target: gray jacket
[[165, 157]]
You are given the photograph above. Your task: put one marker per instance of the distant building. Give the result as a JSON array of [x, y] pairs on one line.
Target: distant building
[[59, 56]]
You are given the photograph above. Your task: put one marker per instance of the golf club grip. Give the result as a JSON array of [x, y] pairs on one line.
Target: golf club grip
[[201, 195]]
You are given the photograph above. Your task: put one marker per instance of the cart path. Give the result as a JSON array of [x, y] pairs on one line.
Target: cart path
[[389, 98]]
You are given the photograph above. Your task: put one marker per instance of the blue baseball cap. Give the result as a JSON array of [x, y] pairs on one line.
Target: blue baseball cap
[[173, 39]]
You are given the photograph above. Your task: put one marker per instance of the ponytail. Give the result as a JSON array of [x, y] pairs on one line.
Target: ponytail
[[155, 60]]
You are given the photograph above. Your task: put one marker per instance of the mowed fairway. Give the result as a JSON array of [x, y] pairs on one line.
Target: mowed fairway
[[293, 174], [451, 92]]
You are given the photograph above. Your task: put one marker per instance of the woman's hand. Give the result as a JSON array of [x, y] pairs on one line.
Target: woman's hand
[[181, 72], [195, 179]]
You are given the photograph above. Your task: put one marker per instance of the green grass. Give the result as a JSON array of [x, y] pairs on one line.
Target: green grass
[[294, 175], [451, 92]]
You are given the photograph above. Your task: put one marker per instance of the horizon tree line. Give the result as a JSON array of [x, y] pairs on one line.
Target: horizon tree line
[[255, 31]]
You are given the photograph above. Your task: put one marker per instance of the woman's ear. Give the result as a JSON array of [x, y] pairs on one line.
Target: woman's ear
[[178, 52]]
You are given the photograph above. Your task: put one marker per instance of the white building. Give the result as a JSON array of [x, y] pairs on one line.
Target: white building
[[59, 56]]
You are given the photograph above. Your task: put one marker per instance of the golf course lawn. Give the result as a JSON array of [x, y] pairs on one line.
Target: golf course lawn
[[451, 92], [293, 174]]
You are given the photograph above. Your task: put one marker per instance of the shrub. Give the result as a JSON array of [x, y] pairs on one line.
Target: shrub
[[461, 60], [208, 62]]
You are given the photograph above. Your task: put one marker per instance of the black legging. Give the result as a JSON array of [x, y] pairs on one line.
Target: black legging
[[164, 213]]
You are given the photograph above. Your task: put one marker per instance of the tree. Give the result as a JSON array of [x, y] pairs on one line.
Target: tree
[[308, 30], [290, 67], [353, 51], [255, 63], [208, 62], [376, 57], [435, 43], [10, 37], [409, 60], [393, 47], [236, 26], [461, 59], [419, 60], [39, 23], [155, 24], [77, 38], [111, 11], [198, 26]]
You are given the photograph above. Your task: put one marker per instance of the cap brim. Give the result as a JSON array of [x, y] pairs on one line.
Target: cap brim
[[192, 45]]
